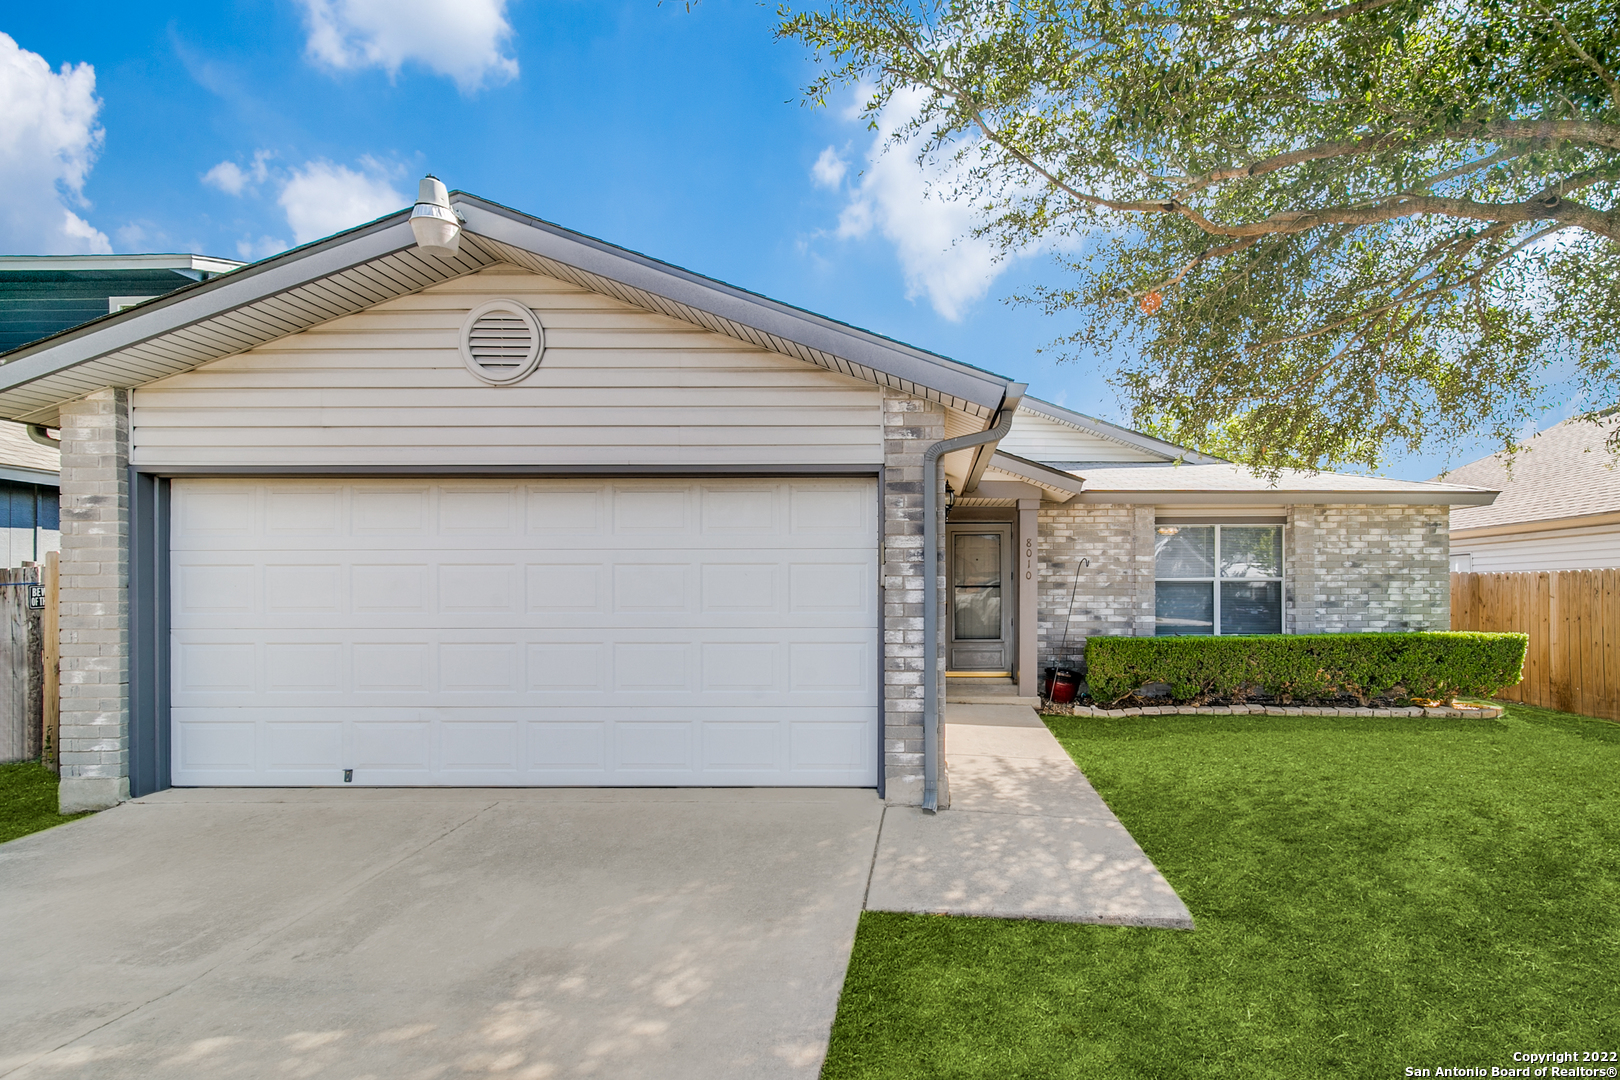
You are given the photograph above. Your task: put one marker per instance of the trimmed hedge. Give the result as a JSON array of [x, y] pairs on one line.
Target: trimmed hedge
[[1306, 667]]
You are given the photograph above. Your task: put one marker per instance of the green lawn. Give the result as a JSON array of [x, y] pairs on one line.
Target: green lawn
[[1369, 895], [27, 800]]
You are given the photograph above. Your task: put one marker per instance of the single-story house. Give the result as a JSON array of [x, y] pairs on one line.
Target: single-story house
[[461, 497], [1559, 507], [30, 474]]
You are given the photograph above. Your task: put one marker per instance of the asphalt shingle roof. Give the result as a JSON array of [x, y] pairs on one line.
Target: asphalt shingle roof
[[1565, 472]]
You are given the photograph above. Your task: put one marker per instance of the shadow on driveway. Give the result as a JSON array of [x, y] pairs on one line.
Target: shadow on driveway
[[426, 933]]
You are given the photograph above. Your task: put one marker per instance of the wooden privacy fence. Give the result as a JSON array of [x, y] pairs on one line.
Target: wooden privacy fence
[[29, 699], [1573, 619]]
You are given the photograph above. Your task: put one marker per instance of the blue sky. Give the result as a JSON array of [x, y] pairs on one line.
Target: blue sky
[[241, 127]]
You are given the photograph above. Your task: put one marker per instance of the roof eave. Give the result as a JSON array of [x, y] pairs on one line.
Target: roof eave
[[1276, 497], [889, 362], [1116, 433], [908, 363], [1036, 473], [196, 303]]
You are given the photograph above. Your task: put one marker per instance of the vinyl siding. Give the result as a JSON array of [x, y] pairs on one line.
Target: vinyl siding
[[617, 386], [1040, 439], [1592, 548]]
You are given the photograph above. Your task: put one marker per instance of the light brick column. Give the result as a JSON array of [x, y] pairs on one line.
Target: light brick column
[[95, 601], [910, 426]]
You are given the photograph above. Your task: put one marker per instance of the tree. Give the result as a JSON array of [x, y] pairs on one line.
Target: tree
[[1314, 231]]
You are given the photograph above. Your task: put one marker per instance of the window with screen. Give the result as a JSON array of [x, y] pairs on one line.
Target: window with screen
[[1218, 579]]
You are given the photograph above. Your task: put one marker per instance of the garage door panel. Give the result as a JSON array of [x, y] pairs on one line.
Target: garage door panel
[[533, 632]]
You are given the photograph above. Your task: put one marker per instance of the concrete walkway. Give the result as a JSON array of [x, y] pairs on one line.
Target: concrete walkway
[[434, 933], [1026, 836]]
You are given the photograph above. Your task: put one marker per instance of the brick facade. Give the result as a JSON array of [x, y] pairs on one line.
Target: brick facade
[[95, 601], [910, 426], [1111, 595], [1367, 568], [1345, 568]]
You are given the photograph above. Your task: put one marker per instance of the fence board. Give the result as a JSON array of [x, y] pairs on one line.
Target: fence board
[[1573, 620], [21, 672], [51, 664]]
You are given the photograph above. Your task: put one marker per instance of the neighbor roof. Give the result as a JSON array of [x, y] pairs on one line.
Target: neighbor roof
[[1565, 472], [201, 264], [1226, 483], [367, 265]]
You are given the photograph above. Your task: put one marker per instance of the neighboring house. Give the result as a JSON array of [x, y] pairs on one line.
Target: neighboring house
[[1559, 507], [41, 295], [29, 478], [546, 511]]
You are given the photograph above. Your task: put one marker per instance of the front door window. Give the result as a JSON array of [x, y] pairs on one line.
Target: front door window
[[979, 561], [977, 577]]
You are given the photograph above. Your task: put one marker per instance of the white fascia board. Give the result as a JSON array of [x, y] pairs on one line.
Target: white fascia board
[[1274, 497], [725, 301], [1043, 476], [206, 264], [1091, 425], [193, 304]]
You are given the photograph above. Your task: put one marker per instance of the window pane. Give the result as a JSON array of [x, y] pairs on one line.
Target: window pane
[[1251, 607], [1184, 551], [1251, 551], [978, 559], [976, 586], [1185, 607]]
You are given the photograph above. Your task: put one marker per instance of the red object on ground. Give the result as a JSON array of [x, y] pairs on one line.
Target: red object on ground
[[1061, 685]]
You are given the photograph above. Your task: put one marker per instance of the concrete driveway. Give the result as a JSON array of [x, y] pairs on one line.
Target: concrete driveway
[[434, 933]]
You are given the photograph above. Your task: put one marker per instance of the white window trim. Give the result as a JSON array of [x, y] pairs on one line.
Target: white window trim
[[1215, 580]]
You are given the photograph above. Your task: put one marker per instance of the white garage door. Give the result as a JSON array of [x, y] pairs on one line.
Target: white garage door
[[526, 632]]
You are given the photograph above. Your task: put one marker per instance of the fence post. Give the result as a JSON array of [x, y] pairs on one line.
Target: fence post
[[51, 631]]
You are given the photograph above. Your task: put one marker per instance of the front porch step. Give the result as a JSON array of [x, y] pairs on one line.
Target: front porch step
[[985, 692]]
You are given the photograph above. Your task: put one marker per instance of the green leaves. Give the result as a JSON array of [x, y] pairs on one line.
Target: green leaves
[[1307, 667], [1347, 208]]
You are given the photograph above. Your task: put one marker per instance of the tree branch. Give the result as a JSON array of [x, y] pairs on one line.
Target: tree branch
[[1585, 57]]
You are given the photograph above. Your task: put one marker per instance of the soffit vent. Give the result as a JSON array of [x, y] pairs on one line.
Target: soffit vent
[[501, 342]]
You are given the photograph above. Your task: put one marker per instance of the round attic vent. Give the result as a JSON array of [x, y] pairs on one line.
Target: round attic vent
[[501, 342]]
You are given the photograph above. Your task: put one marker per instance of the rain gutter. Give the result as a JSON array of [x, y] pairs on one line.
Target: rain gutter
[[931, 485]]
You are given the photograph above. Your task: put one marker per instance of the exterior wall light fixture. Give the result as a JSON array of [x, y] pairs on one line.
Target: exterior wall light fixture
[[436, 224]]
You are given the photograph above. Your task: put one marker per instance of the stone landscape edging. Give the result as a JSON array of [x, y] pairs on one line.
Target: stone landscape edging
[[1483, 712]]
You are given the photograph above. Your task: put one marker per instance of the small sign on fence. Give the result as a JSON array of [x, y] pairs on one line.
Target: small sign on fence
[[36, 595]]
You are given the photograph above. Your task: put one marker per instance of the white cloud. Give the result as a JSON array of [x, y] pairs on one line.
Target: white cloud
[[228, 176], [233, 179], [461, 39], [251, 250], [48, 142], [322, 198], [829, 169], [931, 233]]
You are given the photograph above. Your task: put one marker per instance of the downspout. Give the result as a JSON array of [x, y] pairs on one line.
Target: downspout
[[931, 484], [41, 434]]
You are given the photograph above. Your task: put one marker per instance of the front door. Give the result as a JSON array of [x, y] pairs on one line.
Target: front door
[[979, 558]]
